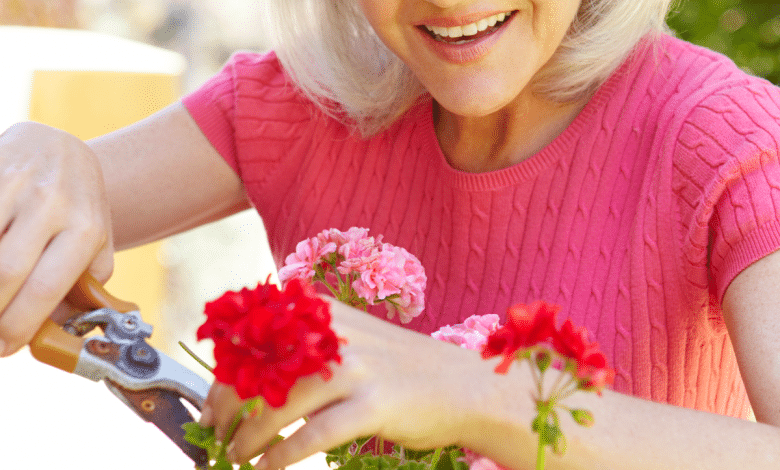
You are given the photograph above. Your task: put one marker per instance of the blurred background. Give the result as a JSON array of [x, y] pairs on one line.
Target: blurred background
[[129, 58]]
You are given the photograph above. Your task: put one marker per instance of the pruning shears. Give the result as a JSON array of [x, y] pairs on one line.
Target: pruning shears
[[146, 380]]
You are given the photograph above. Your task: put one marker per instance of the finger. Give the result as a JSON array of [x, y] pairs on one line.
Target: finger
[[22, 245], [329, 428], [102, 266], [225, 405], [9, 197], [306, 397], [58, 269]]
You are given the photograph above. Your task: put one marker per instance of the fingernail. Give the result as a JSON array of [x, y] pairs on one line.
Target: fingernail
[[206, 416]]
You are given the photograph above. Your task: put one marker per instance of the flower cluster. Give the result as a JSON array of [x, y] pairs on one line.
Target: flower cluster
[[266, 338], [531, 333], [534, 326], [360, 270]]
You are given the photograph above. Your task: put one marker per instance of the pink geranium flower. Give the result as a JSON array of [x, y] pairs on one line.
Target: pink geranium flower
[[309, 254], [478, 462], [471, 334], [365, 271], [388, 273]]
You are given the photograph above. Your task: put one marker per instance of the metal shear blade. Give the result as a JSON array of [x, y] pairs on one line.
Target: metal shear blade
[[146, 380]]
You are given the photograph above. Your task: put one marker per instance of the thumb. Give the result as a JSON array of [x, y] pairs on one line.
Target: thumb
[[102, 265]]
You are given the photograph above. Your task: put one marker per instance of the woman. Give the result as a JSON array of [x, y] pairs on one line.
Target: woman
[[523, 150]]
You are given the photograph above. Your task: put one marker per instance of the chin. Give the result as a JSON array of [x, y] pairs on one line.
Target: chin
[[477, 98], [474, 106]]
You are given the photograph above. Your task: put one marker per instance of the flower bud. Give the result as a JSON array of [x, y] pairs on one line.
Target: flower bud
[[543, 361], [583, 417], [559, 443]]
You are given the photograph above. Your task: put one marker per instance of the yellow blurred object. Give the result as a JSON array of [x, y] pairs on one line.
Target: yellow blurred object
[[51, 13], [88, 104], [108, 83]]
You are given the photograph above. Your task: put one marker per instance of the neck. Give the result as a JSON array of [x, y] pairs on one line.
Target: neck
[[503, 138]]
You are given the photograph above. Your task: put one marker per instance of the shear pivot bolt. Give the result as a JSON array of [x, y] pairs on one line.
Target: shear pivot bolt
[[148, 406], [102, 348]]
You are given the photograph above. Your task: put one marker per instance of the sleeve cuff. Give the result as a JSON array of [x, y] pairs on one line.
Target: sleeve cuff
[[757, 244]]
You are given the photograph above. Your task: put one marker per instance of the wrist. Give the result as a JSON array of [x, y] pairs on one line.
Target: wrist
[[502, 410]]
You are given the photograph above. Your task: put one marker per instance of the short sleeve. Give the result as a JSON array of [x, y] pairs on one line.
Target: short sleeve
[[252, 114], [731, 142], [212, 106]]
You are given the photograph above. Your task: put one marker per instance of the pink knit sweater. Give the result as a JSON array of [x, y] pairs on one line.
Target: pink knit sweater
[[634, 220]]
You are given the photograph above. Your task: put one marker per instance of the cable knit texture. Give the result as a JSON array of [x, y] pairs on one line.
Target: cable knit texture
[[634, 220]]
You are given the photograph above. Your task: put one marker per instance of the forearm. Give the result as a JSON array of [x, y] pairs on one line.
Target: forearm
[[629, 433]]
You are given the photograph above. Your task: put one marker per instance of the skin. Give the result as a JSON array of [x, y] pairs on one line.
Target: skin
[[68, 204], [64, 200], [486, 116]]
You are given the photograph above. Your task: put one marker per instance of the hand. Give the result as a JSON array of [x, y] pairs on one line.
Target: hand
[[55, 224], [404, 386]]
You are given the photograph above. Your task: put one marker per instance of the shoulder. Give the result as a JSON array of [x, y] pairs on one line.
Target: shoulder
[[258, 81], [721, 154], [259, 69], [703, 106]]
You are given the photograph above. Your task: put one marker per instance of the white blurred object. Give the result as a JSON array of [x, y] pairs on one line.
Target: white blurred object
[[51, 419], [24, 50], [200, 266]]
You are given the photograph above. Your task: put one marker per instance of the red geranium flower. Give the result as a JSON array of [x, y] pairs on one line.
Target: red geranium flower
[[570, 341], [265, 339], [526, 326], [591, 370]]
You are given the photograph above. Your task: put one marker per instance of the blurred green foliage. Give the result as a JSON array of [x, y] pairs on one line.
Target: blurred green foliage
[[746, 31]]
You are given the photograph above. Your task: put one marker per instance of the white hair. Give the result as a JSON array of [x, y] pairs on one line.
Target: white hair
[[332, 54]]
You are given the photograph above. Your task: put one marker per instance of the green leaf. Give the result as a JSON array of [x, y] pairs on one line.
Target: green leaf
[[559, 445], [418, 455], [199, 436], [381, 462], [338, 455], [549, 434], [412, 465], [538, 425], [246, 466], [354, 463], [222, 464]]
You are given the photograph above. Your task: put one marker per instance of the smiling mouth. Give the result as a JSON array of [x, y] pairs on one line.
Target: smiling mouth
[[468, 33]]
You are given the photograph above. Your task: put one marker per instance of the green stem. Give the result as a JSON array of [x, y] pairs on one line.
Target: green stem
[[380, 446], [331, 289], [245, 410], [539, 378], [338, 278], [554, 389], [197, 359], [436, 457], [540, 455], [565, 395]]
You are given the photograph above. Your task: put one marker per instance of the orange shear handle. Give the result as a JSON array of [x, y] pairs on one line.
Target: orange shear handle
[[54, 346]]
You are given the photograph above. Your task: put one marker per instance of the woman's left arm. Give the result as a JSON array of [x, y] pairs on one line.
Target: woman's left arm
[[424, 393], [751, 307]]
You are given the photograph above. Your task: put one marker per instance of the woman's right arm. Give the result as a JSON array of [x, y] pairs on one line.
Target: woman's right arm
[[65, 205]]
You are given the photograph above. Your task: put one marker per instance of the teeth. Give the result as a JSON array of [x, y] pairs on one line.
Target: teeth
[[469, 29]]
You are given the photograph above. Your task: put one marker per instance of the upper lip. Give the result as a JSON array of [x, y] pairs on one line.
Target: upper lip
[[458, 20]]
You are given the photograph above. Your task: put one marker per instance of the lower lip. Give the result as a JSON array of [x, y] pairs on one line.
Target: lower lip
[[467, 52]]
